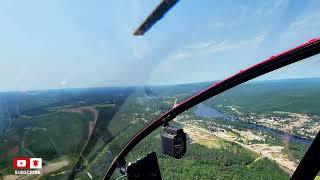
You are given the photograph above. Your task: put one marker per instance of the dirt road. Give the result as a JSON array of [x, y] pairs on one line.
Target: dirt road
[[92, 122]]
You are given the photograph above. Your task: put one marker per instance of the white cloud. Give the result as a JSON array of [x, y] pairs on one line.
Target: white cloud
[[210, 48], [181, 55], [219, 47], [178, 63], [269, 7], [310, 20], [306, 25]]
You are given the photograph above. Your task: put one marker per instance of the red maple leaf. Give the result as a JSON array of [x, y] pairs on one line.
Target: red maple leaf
[[35, 163]]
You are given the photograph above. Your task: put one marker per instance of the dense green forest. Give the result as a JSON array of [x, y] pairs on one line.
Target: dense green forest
[[297, 95], [231, 161]]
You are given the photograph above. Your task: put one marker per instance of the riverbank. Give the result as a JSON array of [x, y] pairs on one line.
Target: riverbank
[[264, 150], [209, 112]]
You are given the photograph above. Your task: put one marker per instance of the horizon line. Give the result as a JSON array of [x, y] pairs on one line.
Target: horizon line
[[148, 85]]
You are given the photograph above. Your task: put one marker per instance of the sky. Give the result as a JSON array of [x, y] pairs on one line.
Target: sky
[[67, 43]]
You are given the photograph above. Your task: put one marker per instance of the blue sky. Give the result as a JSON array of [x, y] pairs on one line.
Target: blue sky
[[63, 44]]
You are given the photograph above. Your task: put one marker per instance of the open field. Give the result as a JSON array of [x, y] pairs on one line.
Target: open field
[[202, 137]]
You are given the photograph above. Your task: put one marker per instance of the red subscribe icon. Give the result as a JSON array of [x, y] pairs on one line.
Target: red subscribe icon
[[27, 163]]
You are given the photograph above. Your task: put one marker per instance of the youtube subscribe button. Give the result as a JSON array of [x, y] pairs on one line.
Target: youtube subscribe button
[[21, 163], [31, 164]]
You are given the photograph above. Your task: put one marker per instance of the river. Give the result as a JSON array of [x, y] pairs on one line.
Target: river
[[208, 112]]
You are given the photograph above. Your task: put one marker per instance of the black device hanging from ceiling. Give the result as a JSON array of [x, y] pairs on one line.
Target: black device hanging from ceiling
[[173, 142]]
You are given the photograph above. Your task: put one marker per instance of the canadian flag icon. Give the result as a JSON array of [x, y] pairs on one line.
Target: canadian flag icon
[[35, 163]]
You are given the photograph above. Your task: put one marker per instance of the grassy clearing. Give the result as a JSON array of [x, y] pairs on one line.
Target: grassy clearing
[[67, 132], [203, 138]]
